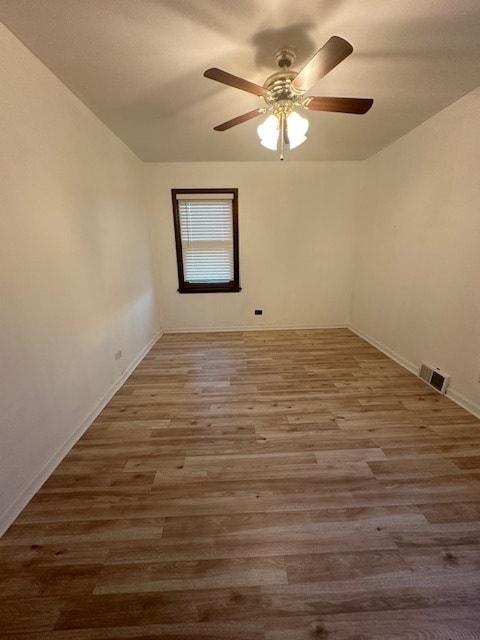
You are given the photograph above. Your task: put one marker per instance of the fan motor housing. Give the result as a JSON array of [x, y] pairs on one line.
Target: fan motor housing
[[279, 86]]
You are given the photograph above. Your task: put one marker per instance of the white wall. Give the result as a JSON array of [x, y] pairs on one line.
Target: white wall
[[75, 270], [417, 284], [296, 226]]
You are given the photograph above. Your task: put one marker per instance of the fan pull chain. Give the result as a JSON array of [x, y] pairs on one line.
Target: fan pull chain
[[282, 135]]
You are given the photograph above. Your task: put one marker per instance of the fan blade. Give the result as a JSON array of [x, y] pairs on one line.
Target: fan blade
[[239, 119], [332, 53], [235, 81], [340, 105]]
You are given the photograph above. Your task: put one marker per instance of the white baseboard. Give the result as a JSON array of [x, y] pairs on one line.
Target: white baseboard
[[464, 402], [406, 364], [455, 396], [263, 327], [13, 511]]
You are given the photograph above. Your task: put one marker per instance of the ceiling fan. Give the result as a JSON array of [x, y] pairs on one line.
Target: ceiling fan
[[284, 94]]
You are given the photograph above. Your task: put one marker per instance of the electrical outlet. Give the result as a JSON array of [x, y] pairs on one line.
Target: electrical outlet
[[118, 354], [258, 312]]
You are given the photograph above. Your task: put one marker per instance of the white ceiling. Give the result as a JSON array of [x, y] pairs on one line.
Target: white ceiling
[[138, 64]]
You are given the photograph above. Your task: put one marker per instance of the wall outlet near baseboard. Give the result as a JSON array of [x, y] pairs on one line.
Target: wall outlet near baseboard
[[258, 312]]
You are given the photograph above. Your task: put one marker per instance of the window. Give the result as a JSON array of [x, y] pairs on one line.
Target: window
[[206, 238]]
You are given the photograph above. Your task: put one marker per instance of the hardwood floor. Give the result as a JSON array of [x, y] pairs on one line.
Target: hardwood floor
[[282, 485]]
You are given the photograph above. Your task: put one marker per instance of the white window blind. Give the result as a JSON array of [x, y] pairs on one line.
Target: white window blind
[[207, 237]]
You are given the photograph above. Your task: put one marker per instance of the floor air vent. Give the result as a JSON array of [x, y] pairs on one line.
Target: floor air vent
[[434, 378]]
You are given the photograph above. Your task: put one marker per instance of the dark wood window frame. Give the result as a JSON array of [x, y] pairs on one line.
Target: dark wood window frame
[[206, 287]]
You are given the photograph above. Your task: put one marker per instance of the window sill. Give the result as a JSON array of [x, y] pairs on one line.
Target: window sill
[[203, 288]]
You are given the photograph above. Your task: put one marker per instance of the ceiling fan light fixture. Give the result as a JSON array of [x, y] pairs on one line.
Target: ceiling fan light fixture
[[297, 128], [269, 131], [284, 93]]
